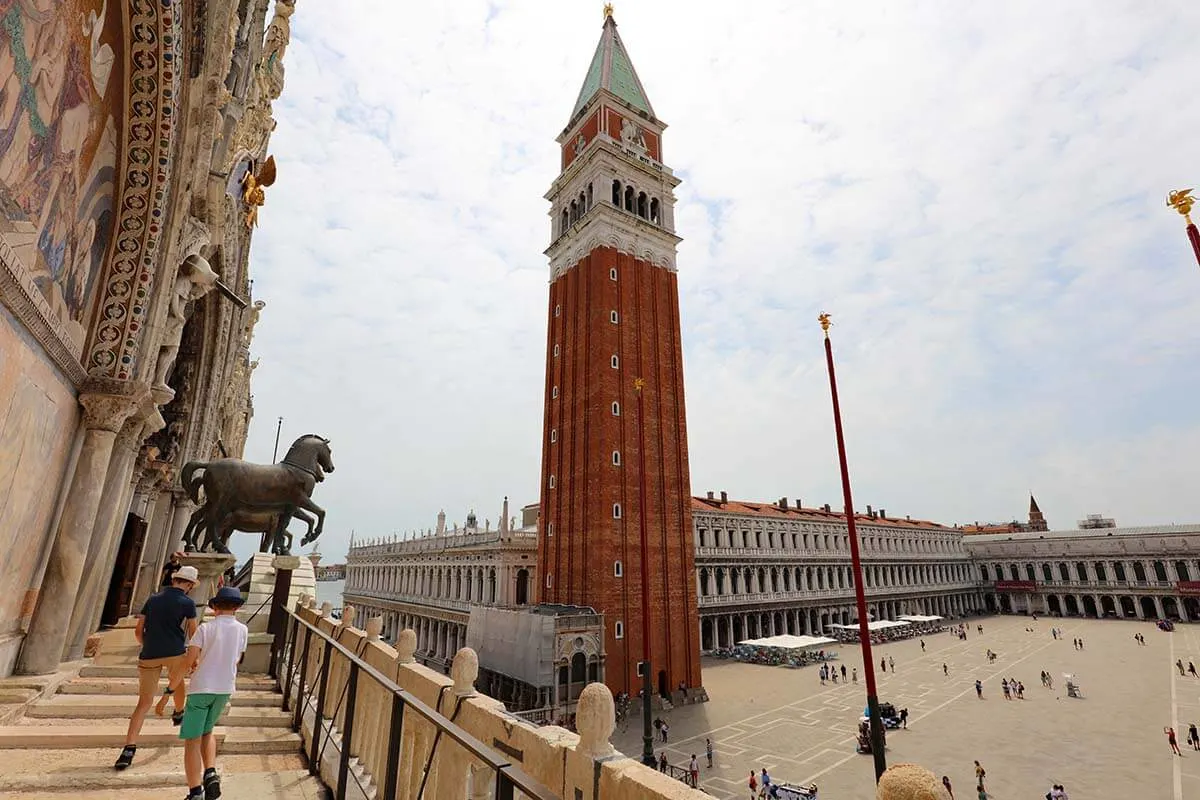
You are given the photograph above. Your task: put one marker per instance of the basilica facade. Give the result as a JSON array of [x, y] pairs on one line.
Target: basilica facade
[[134, 157]]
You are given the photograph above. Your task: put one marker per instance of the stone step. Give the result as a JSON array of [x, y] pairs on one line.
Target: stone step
[[248, 681], [107, 784], [83, 706], [155, 733], [126, 687]]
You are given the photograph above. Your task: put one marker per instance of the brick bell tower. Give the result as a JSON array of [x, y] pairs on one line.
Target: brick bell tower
[[614, 318]]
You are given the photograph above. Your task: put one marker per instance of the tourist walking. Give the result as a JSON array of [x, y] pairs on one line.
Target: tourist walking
[[945, 669], [164, 625], [1179, 666], [1192, 670], [214, 652], [694, 768], [833, 676], [891, 664], [949, 788], [904, 718], [753, 785], [708, 751], [979, 689], [1170, 732], [662, 761], [1020, 691], [1057, 792], [922, 645], [980, 773], [663, 731], [1193, 736], [883, 665], [854, 674], [843, 672], [1004, 688], [765, 780]]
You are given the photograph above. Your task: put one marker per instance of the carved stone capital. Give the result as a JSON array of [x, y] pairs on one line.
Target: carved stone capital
[[108, 403]]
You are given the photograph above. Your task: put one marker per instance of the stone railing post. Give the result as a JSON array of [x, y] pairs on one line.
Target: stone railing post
[[326, 610], [406, 646], [464, 670], [595, 719]]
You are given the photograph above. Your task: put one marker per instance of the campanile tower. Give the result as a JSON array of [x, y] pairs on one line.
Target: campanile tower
[[614, 318]]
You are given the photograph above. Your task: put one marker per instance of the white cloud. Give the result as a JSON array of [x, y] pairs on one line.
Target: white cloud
[[974, 192]]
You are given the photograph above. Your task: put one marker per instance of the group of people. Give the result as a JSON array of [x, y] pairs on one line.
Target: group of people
[[828, 672], [1191, 668], [1193, 738], [172, 639]]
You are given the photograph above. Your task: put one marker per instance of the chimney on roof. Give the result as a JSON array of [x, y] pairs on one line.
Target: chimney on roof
[[826, 507], [883, 513], [870, 513], [724, 498], [710, 495], [797, 503], [783, 503], [908, 517]]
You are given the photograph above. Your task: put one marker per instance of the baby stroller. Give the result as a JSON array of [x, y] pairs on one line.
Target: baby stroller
[[1073, 689]]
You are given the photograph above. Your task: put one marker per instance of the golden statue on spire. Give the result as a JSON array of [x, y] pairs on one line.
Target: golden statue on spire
[[1182, 201], [608, 11], [826, 322]]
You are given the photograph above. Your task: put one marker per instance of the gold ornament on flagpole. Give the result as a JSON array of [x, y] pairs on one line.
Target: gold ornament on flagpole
[[608, 11], [826, 322], [1182, 201]]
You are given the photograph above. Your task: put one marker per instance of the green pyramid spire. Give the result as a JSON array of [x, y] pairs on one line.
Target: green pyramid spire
[[611, 69]]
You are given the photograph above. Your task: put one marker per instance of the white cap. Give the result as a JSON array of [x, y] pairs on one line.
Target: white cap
[[187, 573]]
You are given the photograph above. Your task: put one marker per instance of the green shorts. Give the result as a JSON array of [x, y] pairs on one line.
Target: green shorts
[[200, 715]]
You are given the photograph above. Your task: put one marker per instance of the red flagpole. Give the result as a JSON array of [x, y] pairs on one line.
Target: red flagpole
[[864, 632], [1194, 238]]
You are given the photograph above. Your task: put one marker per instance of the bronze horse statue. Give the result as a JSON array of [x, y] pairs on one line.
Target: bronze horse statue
[[233, 487]]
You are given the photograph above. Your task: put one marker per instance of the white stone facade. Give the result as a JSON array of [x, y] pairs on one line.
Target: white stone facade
[[429, 583], [1141, 572], [768, 569]]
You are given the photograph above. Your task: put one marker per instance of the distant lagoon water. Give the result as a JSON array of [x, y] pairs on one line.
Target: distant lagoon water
[[330, 591]]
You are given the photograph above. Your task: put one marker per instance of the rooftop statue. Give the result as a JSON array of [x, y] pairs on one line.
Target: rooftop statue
[[243, 496]]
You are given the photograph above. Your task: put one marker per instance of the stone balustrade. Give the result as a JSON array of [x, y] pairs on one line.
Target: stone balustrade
[[349, 680]]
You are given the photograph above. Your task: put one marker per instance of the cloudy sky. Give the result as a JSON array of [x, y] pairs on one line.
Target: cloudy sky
[[975, 192]]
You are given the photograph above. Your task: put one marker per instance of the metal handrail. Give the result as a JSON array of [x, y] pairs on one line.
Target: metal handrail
[[509, 777]]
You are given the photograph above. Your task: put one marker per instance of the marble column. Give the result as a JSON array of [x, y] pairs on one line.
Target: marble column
[[184, 508], [150, 566], [106, 406], [110, 523]]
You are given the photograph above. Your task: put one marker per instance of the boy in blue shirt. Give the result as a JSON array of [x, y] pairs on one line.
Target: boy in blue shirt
[[165, 623]]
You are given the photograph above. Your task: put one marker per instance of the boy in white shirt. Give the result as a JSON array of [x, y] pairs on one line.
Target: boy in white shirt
[[215, 650]]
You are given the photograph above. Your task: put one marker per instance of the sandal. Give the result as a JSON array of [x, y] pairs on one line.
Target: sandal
[[177, 718], [126, 757], [212, 785]]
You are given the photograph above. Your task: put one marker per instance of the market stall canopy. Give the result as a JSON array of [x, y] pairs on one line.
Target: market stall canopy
[[878, 625], [920, 618], [788, 642]]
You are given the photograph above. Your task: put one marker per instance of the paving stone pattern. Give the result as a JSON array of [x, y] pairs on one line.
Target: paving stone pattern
[[1109, 744]]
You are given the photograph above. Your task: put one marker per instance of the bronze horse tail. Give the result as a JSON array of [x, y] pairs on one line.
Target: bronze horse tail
[[192, 485]]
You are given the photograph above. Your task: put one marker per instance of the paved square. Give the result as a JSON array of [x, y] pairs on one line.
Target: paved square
[[1110, 744]]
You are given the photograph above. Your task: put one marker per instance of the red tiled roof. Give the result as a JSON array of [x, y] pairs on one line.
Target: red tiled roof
[[812, 514]]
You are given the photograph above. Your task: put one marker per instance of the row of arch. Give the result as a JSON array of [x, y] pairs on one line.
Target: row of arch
[[474, 584], [735, 580], [1106, 605], [783, 540], [1093, 571], [727, 629], [625, 196]]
